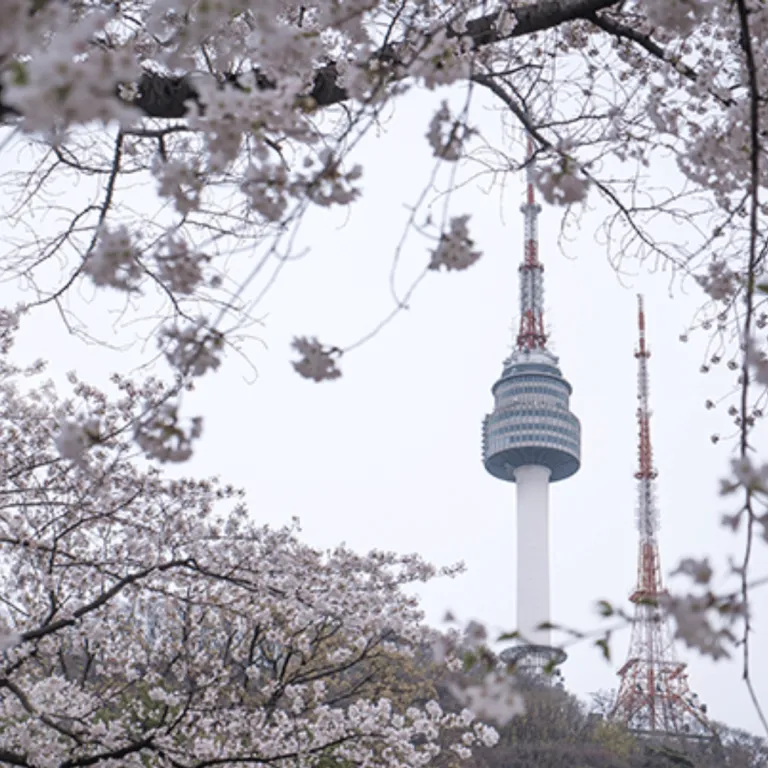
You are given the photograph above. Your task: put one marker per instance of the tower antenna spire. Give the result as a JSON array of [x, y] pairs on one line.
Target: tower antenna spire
[[647, 514], [531, 334], [653, 698]]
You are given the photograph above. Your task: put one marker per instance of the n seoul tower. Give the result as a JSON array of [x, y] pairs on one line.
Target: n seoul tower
[[532, 439]]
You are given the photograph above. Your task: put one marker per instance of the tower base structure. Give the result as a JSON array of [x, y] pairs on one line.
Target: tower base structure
[[540, 662], [655, 701]]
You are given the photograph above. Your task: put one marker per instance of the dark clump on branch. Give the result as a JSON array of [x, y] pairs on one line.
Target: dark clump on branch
[[164, 96]]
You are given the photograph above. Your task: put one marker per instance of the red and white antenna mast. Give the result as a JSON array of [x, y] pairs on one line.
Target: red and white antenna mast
[[647, 515], [531, 335], [654, 697]]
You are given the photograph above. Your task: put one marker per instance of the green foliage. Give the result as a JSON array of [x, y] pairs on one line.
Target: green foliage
[[614, 737], [603, 644], [605, 609]]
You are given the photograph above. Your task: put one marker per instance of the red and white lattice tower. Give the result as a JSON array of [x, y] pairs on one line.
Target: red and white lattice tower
[[653, 697]]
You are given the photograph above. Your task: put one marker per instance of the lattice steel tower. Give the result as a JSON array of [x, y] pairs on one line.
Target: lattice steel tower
[[653, 697], [532, 439]]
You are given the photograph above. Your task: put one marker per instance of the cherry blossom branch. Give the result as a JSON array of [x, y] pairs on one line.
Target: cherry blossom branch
[[166, 96], [752, 268], [252, 759], [112, 754], [647, 43], [488, 81], [13, 758], [103, 599], [25, 703]]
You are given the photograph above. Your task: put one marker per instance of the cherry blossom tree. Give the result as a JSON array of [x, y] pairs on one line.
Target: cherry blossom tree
[[146, 621]]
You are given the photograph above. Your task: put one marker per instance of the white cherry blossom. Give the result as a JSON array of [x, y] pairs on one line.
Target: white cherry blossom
[[317, 362], [699, 571], [455, 251], [193, 349], [678, 16], [74, 439], [495, 698], [691, 616], [720, 282], [447, 135], [561, 183], [114, 261]]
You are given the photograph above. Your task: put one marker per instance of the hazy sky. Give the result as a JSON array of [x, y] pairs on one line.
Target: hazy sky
[[389, 456]]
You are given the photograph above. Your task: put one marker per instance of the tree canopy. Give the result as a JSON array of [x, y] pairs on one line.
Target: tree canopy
[[146, 621]]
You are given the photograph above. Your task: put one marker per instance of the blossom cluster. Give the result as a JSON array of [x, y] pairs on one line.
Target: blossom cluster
[[455, 251], [748, 476], [179, 268], [720, 282], [162, 436], [561, 183], [115, 260], [317, 362], [194, 349], [447, 135], [269, 187], [692, 617], [73, 439], [181, 181], [63, 78], [678, 16]]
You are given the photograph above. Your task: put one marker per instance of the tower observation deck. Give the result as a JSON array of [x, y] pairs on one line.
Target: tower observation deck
[[531, 424], [532, 439]]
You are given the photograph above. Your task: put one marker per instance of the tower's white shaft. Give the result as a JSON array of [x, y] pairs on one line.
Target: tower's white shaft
[[533, 602]]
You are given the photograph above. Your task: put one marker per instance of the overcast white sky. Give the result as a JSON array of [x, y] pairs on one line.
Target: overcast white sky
[[389, 456]]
